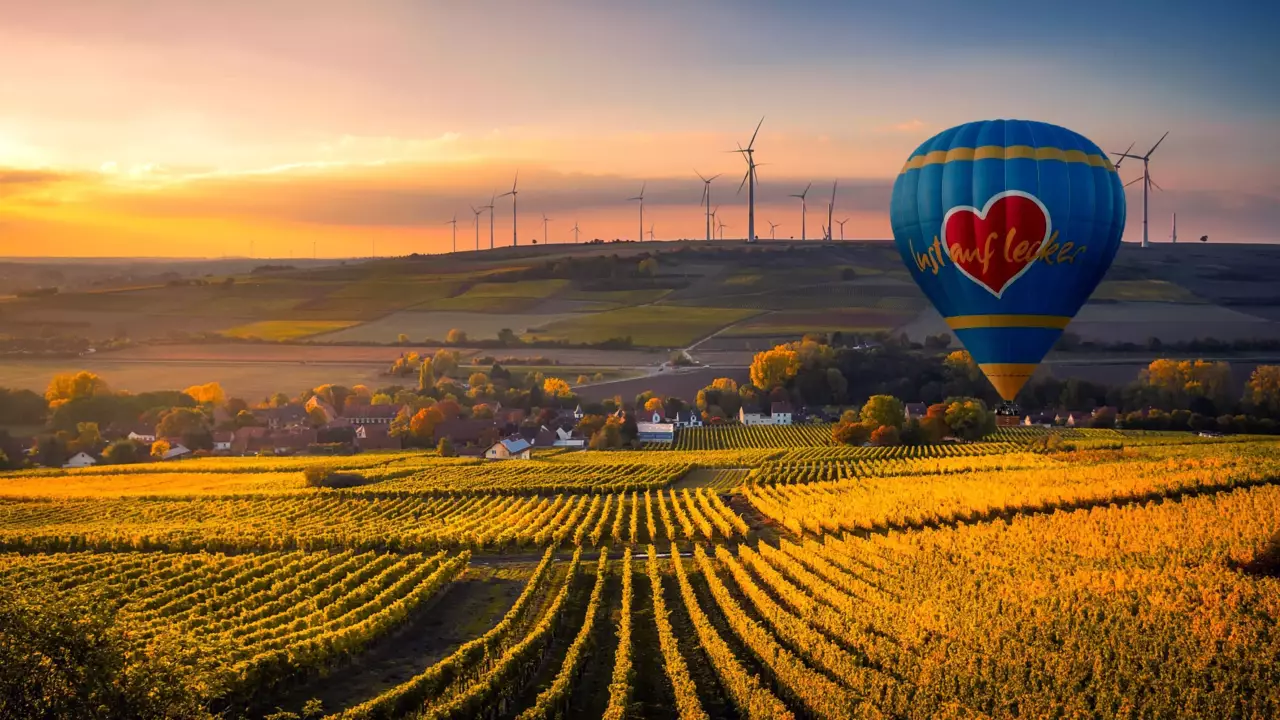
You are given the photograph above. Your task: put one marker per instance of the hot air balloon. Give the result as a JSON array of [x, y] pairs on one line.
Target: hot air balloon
[[1008, 226]]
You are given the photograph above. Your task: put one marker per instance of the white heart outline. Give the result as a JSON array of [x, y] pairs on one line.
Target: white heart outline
[[982, 215]]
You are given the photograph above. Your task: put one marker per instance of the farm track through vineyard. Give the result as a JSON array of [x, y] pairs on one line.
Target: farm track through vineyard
[[752, 580]]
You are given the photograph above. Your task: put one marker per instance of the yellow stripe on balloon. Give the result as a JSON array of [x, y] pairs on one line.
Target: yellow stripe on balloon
[[970, 322], [1013, 152], [1008, 378]]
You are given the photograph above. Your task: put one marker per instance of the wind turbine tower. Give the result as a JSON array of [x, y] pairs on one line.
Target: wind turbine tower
[[575, 232], [489, 207], [454, 223], [476, 221], [650, 232], [1147, 182], [750, 178], [513, 194], [706, 199], [722, 226], [831, 208], [640, 197], [804, 208], [545, 220], [1173, 236]]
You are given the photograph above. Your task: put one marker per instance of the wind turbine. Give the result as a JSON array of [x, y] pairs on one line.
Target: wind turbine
[[1147, 182], [772, 226], [650, 232], [454, 223], [804, 208], [489, 207], [831, 207], [722, 226], [750, 177], [841, 223], [640, 197], [706, 198], [476, 222], [545, 220], [513, 194], [714, 219], [575, 232]]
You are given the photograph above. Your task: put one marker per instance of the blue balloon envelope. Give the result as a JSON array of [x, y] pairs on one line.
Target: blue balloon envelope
[[1008, 226]]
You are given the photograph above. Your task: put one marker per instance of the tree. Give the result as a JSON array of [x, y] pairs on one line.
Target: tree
[[179, 422], [423, 425], [507, 337], [400, 423], [653, 405], [316, 417], [207, 394], [589, 425], [556, 388], [65, 656], [125, 451], [456, 337], [851, 433], [402, 339], [65, 387], [482, 411], [380, 399], [88, 438], [159, 448], [22, 407], [1179, 383], [969, 418], [444, 362], [648, 267], [884, 411], [478, 379], [775, 367], [837, 384], [277, 400], [445, 448], [885, 435], [1262, 392], [1106, 418], [607, 437], [426, 376]]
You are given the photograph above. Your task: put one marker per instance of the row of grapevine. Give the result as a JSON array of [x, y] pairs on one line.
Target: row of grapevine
[[263, 617], [867, 503], [726, 437], [362, 522]]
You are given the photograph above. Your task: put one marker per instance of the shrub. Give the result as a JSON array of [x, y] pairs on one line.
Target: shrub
[[323, 476]]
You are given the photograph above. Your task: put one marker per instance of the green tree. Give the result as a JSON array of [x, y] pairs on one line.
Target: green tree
[[969, 418], [884, 411], [88, 438], [426, 376], [444, 362], [181, 421], [445, 448], [125, 451], [507, 337]]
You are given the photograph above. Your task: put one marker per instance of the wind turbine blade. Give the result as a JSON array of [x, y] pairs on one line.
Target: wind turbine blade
[[833, 191], [806, 190], [1154, 184], [757, 132], [744, 181], [713, 177], [1124, 154], [642, 187], [695, 172], [1133, 181], [515, 182], [1153, 147]]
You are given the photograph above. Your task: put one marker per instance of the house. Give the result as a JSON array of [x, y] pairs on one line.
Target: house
[[780, 413], [656, 432], [538, 437], [517, 449], [142, 434], [80, 460], [753, 417], [577, 413], [176, 450], [1074, 418], [245, 437], [687, 418], [373, 414], [222, 440], [466, 431], [376, 436], [566, 438], [915, 411], [284, 417]]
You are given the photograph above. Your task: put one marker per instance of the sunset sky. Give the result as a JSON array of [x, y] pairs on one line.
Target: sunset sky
[[183, 128]]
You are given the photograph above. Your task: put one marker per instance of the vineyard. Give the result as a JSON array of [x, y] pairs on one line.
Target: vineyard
[[769, 575]]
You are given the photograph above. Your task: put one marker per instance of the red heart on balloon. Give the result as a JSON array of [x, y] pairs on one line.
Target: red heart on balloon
[[996, 245]]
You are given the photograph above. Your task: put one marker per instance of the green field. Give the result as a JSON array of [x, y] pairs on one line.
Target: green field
[[647, 325], [277, 330], [1144, 291], [799, 322]]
